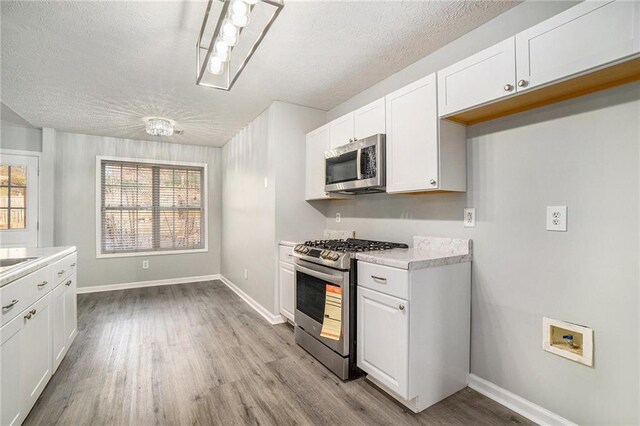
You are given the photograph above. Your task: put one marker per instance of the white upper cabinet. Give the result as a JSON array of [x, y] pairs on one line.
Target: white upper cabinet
[[588, 35], [317, 143], [359, 124], [370, 119], [483, 77], [341, 130], [423, 152]]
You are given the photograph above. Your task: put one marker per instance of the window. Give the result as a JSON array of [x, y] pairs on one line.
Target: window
[[13, 196], [151, 207]]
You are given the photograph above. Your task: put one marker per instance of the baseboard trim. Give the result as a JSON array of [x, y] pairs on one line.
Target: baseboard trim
[[264, 312], [525, 408], [139, 284]]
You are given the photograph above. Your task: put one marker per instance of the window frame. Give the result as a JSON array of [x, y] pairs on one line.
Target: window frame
[[98, 200]]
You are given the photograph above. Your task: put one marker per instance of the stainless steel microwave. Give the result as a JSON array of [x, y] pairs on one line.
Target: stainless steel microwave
[[356, 167]]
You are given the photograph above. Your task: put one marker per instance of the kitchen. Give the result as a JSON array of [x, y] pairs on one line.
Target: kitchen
[[488, 273]]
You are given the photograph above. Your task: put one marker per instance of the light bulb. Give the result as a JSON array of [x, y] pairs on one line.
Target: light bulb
[[240, 19], [228, 27], [239, 6], [250, 2], [216, 66], [231, 39], [222, 50]]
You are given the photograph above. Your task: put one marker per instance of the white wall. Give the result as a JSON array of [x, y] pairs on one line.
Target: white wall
[[75, 216], [583, 153], [254, 218]]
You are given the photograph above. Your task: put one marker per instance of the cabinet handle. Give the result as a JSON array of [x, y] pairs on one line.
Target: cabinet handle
[[350, 140], [355, 139], [432, 181], [401, 307], [522, 83], [508, 87], [10, 305], [61, 272], [379, 278], [43, 284], [68, 283], [30, 314], [73, 264]]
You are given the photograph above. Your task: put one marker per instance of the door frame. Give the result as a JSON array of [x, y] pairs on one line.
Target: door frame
[[38, 155]]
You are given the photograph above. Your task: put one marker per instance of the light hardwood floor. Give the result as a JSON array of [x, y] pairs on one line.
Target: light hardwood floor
[[197, 354]]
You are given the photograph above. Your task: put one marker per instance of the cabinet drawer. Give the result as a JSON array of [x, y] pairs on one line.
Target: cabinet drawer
[[65, 267], [391, 281], [286, 254], [21, 293]]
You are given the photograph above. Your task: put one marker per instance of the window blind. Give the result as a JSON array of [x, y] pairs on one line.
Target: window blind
[[151, 207]]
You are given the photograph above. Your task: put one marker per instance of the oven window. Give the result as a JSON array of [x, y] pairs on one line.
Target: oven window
[[342, 169], [310, 296]]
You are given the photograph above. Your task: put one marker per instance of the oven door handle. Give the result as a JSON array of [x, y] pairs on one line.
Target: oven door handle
[[334, 279], [358, 164]]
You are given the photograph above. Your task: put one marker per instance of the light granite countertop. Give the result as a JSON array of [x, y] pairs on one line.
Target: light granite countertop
[[42, 256], [427, 252], [288, 243]]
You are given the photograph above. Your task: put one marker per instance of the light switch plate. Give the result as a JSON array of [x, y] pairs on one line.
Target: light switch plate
[[470, 217], [557, 218], [337, 217]]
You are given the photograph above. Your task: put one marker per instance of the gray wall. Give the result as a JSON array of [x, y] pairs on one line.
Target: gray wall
[[76, 210], [17, 137], [583, 153]]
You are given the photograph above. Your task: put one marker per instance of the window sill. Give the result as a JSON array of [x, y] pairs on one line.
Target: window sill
[[150, 253]]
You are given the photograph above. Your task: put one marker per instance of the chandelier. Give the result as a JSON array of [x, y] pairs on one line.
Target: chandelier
[[224, 48], [159, 127]]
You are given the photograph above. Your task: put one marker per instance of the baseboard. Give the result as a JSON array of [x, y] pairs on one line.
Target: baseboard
[[266, 314], [525, 408], [139, 284]]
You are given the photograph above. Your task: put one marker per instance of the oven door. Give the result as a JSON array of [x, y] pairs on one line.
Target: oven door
[[311, 282]]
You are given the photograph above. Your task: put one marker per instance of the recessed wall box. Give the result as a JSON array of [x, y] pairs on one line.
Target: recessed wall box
[[568, 340]]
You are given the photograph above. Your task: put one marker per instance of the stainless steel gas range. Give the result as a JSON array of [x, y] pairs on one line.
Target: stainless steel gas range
[[329, 267]]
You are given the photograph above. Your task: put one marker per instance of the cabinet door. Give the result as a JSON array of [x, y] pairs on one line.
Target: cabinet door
[[383, 339], [70, 310], [287, 290], [36, 350], [483, 77], [370, 120], [11, 365], [588, 35], [341, 130], [317, 144], [412, 137], [58, 336]]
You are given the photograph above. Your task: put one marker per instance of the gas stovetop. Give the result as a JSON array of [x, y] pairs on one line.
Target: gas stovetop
[[338, 253]]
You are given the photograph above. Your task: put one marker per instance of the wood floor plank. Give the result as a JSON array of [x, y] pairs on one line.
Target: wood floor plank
[[197, 354]]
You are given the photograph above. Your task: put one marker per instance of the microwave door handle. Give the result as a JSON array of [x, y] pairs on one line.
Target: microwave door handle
[[358, 164], [334, 279]]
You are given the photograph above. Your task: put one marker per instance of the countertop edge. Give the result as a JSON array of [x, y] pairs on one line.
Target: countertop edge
[[39, 263], [415, 264]]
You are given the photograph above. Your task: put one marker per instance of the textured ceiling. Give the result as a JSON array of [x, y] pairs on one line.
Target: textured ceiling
[[101, 67]]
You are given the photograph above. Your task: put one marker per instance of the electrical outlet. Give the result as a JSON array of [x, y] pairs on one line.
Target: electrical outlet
[[557, 218], [145, 264], [246, 274], [470, 217], [266, 182], [337, 217]]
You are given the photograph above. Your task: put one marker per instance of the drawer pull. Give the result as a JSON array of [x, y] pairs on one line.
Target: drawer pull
[[30, 314], [61, 272], [43, 284], [10, 305], [68, 283], [73, 264], [401, 307], [379, 278]]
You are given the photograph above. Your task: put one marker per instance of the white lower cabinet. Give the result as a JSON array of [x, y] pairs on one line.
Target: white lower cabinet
[[413, 330], [34, 341], [383, 339], [287, 277], [26, 360]]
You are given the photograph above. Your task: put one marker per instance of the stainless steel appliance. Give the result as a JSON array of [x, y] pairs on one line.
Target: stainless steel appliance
[[318, 264], [356, 167]]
